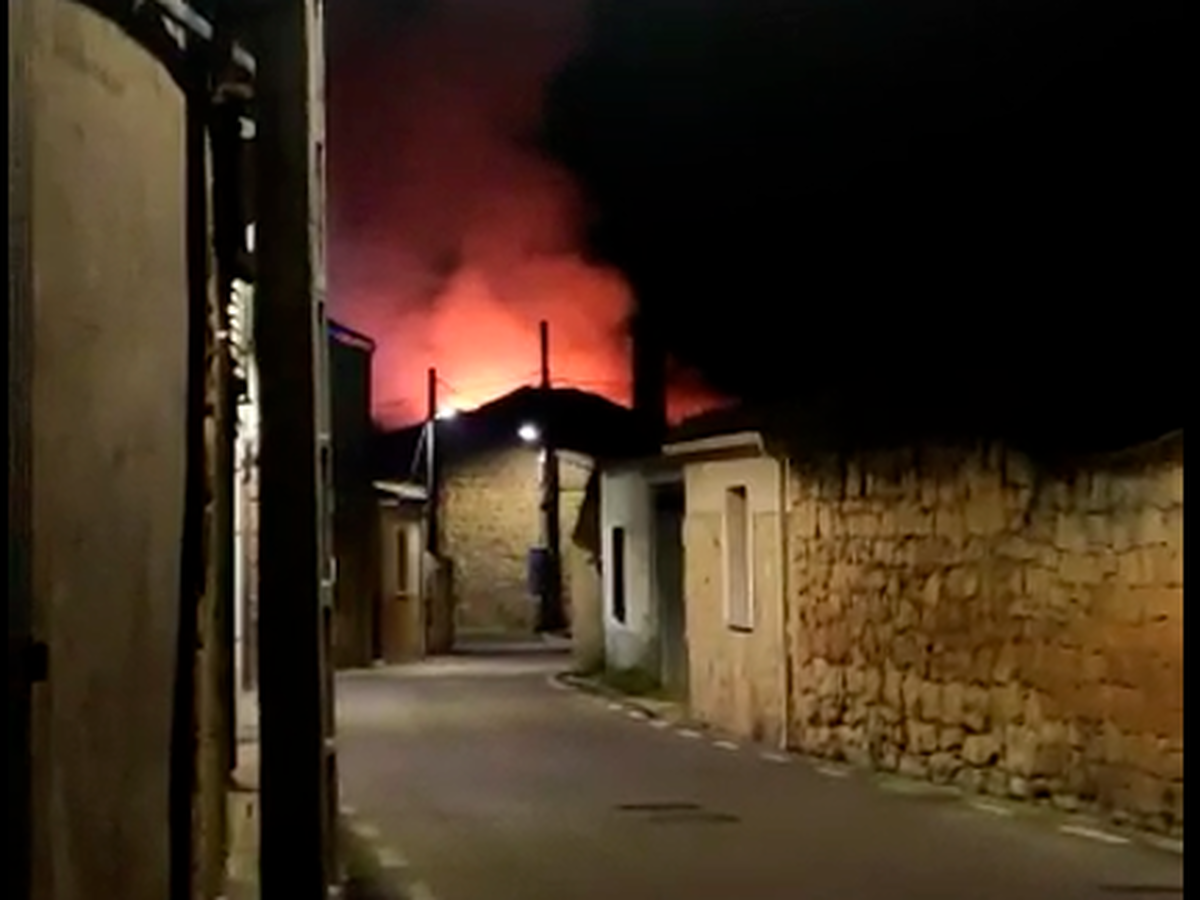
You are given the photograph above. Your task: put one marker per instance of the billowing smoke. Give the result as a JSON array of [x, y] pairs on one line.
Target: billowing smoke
[[451, 236]]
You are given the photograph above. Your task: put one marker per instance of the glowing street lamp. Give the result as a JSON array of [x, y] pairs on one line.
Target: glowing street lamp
[[448, 412], [528, 433]]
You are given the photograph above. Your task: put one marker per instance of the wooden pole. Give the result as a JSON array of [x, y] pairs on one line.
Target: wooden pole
[[431, 483], [550, 609], [295, 562]]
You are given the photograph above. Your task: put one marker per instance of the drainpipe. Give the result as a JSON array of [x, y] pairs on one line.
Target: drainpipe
[[784, 568]]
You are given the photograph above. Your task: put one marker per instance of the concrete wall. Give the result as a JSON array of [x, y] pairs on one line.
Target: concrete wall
[[587, 609], [966, 617], [110, 315], [736, 678], [489, 521], [626, 502]]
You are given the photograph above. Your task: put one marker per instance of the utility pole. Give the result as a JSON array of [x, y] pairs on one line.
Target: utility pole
[[296, 569], [431, 484], [551, 616]]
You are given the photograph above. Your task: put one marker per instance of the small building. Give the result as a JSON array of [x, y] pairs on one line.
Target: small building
[[489, 498], [965, 611]]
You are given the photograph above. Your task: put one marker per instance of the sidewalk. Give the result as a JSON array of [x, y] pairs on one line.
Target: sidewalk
[[676, 716], [365, 878]]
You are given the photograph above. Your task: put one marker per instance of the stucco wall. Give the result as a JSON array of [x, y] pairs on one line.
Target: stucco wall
[[489, 521], [110, 307], [625, 502], [736, 678], [963, 617]]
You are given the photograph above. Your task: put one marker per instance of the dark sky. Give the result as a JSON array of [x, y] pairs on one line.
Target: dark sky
[[967, 211]]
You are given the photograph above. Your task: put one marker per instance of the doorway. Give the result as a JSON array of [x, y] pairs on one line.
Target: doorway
[[668, 588], [401, 618]]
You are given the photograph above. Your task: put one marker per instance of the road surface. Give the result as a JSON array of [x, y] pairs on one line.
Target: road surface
[[495, 785]]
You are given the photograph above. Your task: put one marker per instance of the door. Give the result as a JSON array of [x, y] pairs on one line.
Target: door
[[401, 622], [668, 585]]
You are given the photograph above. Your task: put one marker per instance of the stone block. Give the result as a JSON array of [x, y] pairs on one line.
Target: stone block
[[1019, 787], [953, 697], [1007, 704], [1081, 568], [976, 709], [986, 514], [983, 664], [943, 767], [981, 749], [912, 694], [970, 780], [1070, 534], [914, 766], [922, 737], [893, 681], [995, 782], [1020, 750], [1019, 470], [931, 701], [952, 737], [1150, 527], [804, 520], [1165, 486]]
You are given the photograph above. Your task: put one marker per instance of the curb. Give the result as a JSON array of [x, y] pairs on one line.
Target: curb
[[1079, 824], [365, 876], [650, 709]]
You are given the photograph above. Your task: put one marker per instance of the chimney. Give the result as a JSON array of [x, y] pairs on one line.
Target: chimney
[[649, 374]]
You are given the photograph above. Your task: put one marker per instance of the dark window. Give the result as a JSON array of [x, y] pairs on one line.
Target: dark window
[[618, 574]]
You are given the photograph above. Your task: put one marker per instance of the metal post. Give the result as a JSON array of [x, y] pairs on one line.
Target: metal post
[[295, 562]]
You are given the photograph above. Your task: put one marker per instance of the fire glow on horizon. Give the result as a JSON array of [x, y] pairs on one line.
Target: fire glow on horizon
[[450, 238]]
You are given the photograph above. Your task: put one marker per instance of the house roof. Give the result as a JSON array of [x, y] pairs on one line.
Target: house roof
[[576, 420]]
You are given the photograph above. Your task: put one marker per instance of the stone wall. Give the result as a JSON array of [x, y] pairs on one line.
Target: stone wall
[[489, 521], [970, 618]]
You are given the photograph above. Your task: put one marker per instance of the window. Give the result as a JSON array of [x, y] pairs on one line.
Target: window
[[739, 575], [618, 574]]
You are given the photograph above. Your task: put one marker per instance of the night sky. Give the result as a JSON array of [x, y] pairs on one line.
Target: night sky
[[970, 214]]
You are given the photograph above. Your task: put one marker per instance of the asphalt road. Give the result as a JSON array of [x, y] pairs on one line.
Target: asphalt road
[[495, 785]]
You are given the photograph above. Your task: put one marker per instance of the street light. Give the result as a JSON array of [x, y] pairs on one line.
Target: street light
[[528, 433], [448, 412]]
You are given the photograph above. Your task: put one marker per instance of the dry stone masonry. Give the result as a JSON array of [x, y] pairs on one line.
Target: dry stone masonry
[[965, 617]]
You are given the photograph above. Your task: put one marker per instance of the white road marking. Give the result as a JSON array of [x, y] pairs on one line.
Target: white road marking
[[362, 829], [615, 707], [725, 745], [688, 733], [659, 723], [635, 714], [833, 772], [1093, 834], [771, 756], [390, 859], [994, 808]]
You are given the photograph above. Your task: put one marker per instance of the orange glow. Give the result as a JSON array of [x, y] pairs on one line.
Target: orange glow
[[449, 237]]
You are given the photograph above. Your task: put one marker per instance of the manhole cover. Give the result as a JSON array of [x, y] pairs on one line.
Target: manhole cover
[[660, 806]]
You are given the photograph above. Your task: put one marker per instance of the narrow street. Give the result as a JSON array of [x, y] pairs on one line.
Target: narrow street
[[491, 783]]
